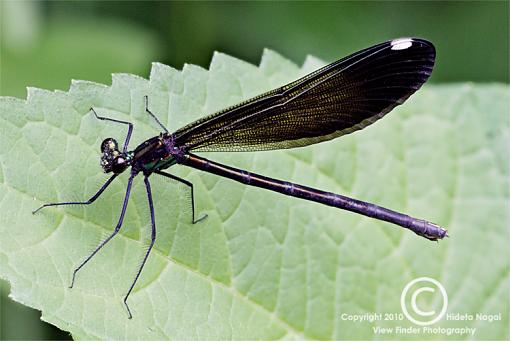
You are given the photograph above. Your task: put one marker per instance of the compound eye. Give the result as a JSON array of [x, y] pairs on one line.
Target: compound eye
[[109, 144], [120, 161], [119, 164]]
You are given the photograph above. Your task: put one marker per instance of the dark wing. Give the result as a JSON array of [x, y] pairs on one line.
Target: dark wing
[[335, 100]]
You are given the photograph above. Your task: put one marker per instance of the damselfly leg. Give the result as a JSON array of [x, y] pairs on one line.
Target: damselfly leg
[[130, 127], [88, 202], [190, 186], [115, 231], [146, 99], [153, 239], [109, 181]]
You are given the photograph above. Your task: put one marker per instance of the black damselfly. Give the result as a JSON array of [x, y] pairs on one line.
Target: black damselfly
[[335, 100]]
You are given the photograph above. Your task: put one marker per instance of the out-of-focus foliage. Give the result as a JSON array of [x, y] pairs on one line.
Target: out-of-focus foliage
[[46, 44]]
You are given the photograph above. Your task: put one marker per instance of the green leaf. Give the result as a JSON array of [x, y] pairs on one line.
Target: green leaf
[[262, 265]]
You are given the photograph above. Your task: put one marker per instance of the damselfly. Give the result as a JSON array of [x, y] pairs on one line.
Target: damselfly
[[335, 100]]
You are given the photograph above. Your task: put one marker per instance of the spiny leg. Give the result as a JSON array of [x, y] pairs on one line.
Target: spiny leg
[[88, 202], [130, 127], [101, 190], [117, 228], [152, 115], [153, 239], [190, 185]]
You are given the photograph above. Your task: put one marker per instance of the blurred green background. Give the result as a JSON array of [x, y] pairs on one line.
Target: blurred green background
[[46, 44]]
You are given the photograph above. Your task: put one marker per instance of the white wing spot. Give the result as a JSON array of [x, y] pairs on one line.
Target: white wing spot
[[401, 43]]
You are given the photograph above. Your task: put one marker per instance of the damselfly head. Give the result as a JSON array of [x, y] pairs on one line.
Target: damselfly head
[[112, 160]]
